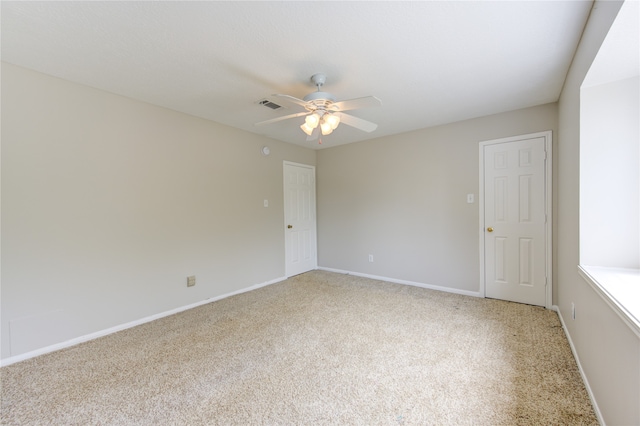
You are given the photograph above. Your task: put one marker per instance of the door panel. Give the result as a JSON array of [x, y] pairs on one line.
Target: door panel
[[300, 219], [514, 221]]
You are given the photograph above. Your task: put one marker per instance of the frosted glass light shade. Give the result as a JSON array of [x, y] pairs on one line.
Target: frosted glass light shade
[[326, 128], [307, 129], [333, 120], [312, 120]]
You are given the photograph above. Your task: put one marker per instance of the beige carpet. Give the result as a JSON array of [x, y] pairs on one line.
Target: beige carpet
[[319, 348]]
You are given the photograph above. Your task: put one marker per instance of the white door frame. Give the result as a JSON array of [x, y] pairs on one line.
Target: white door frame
[[284, 215], [548, 189]]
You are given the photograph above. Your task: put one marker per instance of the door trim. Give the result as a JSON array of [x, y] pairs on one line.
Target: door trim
[[548, 189], [286, 163]]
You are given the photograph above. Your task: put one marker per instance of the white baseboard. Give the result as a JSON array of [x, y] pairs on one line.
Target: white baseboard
[[411, 283], [102, 333], [582, 374]]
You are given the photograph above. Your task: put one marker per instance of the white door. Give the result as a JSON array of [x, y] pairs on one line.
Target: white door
[[515, 235], [299, 218]]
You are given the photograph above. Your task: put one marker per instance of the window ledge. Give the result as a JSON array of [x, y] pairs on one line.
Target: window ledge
[[620, 288]]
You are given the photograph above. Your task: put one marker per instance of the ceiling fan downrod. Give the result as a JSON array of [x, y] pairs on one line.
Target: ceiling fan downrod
[[319, 80]]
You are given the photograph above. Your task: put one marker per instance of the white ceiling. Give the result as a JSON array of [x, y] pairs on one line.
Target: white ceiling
[[429, 62], [619, 55]]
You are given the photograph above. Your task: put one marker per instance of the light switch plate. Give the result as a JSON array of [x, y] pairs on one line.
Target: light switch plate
[[470, 198]]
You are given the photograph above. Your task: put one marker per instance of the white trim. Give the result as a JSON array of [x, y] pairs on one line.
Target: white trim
[[592, 397], [293, 163], [405, 282], [548, 175], [481, 233], [102, 333], [626, 316]]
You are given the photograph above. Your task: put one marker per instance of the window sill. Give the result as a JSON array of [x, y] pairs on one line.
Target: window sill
[[620, 288]]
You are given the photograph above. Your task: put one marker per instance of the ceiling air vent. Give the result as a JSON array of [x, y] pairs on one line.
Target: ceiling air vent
[[269, 104]]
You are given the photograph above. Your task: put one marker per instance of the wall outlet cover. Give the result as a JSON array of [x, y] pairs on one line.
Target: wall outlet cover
[[191, 281]]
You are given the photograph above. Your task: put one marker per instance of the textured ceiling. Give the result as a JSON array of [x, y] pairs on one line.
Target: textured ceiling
[[430, 63]]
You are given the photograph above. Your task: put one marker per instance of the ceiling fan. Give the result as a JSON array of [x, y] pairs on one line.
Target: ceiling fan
[[324, 114]]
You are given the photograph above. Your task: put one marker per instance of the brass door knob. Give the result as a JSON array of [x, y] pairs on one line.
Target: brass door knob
[[489, 229], [289, 226]]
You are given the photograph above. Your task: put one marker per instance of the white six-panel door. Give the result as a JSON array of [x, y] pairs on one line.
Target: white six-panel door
[[299, 218], [515, 234]]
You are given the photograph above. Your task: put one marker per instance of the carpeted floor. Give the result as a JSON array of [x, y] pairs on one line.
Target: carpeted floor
[[319, 348]]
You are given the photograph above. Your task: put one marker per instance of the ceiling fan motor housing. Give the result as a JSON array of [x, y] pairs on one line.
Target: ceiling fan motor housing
[[324, 96]]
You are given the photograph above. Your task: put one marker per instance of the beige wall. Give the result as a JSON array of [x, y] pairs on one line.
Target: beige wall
[[607, 349], [108, 204], [403, 199]]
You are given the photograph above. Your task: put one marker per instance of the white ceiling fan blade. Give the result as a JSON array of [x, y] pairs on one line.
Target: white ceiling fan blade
[[358, 123], [293, 100], [285, 117], [314, 135], [366, 102]]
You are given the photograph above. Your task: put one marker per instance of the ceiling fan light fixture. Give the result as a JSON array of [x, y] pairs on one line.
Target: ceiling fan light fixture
[[322, 109]]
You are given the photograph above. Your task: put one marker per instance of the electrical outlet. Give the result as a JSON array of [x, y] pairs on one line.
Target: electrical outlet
[[191, 281], [371, 258], [573, 311]]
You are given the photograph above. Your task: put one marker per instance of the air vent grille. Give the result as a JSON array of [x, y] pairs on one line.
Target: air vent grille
[[269, 104]]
